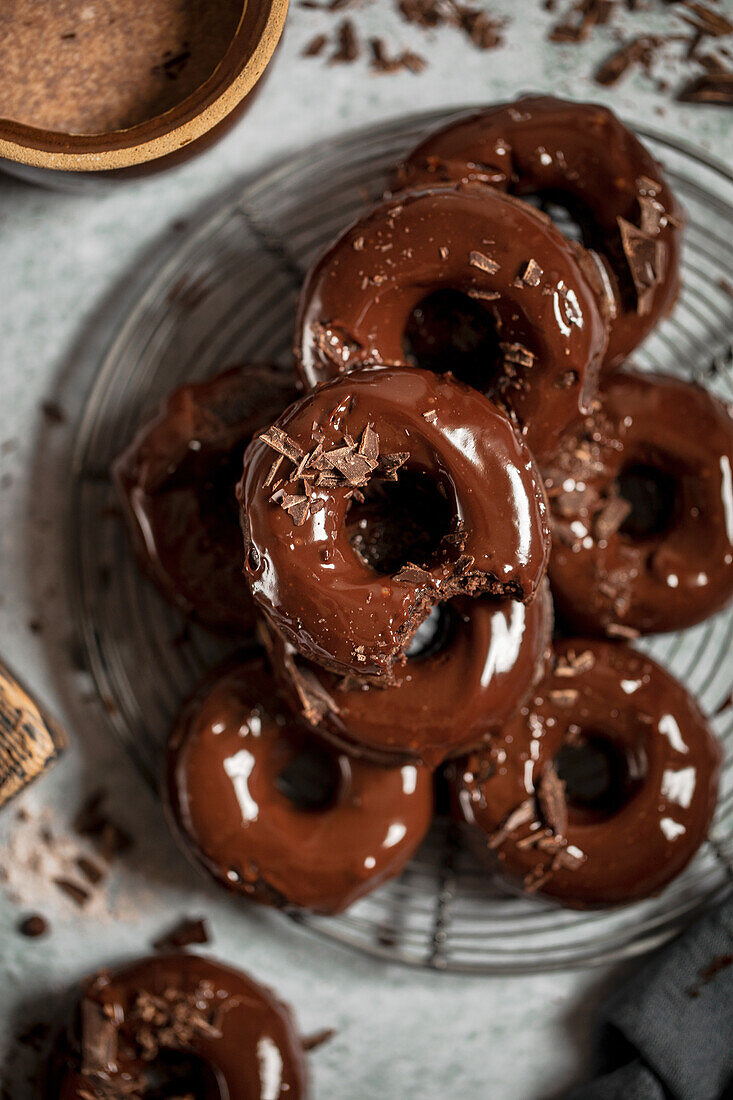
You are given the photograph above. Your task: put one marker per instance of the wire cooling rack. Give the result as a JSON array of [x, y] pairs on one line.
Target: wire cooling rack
[[226, 293]]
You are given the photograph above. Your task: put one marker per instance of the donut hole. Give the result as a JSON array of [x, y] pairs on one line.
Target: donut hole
[[434, 634], [598, 776], [448, 331], [571, 216], [310, 779], [651, 491], [399, 522]]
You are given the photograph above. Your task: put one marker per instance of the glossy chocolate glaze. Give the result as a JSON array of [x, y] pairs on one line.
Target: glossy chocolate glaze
[[357, 301], [678, 569], [252, 1049], [581, 154], [316, 590], [227, 756], [177, 480], [584, 855], [444, 702]]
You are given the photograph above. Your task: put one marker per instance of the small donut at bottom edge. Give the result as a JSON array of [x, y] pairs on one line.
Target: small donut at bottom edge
[[348, 440], [600, 791], [642, 509], [274, 813], [176, 481], [185, 1019], [478, 663]]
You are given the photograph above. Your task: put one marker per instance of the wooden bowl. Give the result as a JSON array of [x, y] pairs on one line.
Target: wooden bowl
[[168, 138]]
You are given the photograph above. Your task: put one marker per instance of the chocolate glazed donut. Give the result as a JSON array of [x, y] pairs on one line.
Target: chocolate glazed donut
[[274, 813], [176, 481], [347, 440], [183, 1021], [642, 508], [579, 155], [603, 788], [478, 664], [518, 270]]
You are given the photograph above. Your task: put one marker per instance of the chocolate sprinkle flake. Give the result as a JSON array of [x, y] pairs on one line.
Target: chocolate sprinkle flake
[[484, 263], [532, 273], [483, 295], [517, 354], [608, 521], [572, 664], [551, 800], [619, 630], [413, 574], [524, 814], [563, 697], [98, 1039], [281, 442], [645, 257], [184, 934]]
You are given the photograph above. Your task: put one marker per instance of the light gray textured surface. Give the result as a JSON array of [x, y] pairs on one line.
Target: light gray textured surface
[[400, 1033]]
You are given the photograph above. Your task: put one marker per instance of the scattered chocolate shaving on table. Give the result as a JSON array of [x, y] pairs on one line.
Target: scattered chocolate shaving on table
[[483, 29], [91, 821], [33, 926], [383, 63], [347, 48], [577, 23], [708, 973], [551, 800], [704, 20], [53, 412], [78, 894], [714, 88], [317, 1039], [92, 873], [484, 263], [315, 46], [183, 934]]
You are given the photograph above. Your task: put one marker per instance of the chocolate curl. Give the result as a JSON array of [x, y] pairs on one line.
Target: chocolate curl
[[30, 741]]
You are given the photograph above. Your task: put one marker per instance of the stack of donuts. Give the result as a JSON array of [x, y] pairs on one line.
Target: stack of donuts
[[445, 533]]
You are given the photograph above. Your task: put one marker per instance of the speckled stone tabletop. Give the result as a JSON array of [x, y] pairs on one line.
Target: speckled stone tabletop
[[399, 1032]]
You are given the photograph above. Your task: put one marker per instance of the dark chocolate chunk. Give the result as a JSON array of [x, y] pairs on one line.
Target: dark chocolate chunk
[[33, 926], [183, 934]]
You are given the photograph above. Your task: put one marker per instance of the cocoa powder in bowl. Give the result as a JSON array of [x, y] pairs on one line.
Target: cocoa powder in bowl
[[94, 66]]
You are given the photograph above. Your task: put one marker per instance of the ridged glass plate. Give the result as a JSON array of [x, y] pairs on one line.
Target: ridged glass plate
[[224, 293]]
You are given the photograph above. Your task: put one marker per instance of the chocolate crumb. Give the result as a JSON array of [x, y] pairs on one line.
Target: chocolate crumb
[[484, 263], [551, 799], [532, 273], [317, 1039], [53, 412], [33, 926], [183, 934], [572, 664]]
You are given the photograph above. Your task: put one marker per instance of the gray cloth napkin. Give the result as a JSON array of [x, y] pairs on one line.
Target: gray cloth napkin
[[669, 1031]]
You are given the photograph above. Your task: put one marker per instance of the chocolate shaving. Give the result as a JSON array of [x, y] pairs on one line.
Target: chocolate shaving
[[414, 574], [567, 859], [348, 48], [532, 273], [484, 263], [517, 354], [704, 20], [619, 630], [611, 517], [483, 295], [335, 344], [390, 464], [314, 699], [714, 88], [98, 1040], [77, 893], [551, 800], [524, 814], [317, 1039], [92, 873], [383, 63], [563, 697], [316, 46], [369, 444], [281, 442], [638, 51], [183, 935], [572, 664], [645, 257]]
